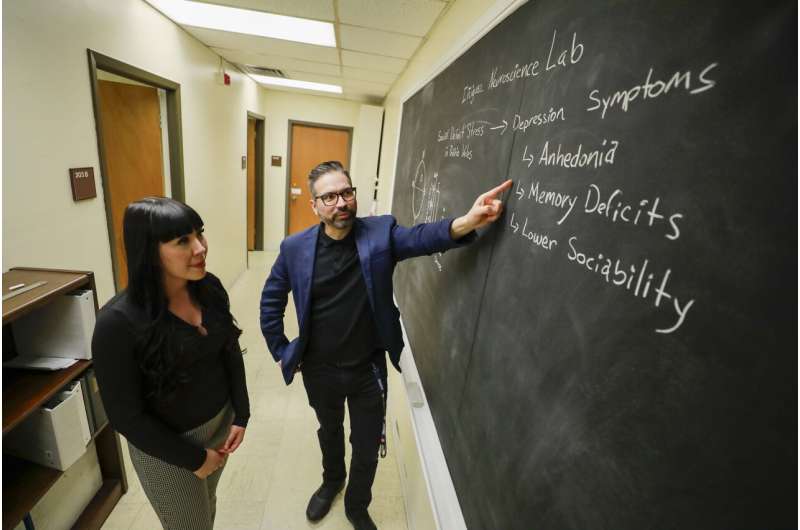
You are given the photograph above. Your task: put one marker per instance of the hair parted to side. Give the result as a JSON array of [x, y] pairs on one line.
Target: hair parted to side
[[147, 223], [324, 168]]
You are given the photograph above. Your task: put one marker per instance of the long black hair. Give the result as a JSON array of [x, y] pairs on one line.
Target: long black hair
[[147, 223]]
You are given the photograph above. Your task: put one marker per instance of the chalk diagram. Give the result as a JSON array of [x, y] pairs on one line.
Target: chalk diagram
[[425, 196], [418, 188]]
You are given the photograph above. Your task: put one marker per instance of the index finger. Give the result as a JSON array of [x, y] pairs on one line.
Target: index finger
[[498, 190]]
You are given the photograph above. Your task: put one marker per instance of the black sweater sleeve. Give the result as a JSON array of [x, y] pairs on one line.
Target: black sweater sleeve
[[234, 364], [122, 391], [239, 398]]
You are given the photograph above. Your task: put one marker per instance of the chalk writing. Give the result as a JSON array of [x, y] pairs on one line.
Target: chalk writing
[[651, 90], [551, 198], [432, 211], [558, 56], [564, 58], [458, 151], [537, 239], [603, 155], [633, 278], [469, 93], [418, 184], [615, 209], [537, 120], [468, 130]]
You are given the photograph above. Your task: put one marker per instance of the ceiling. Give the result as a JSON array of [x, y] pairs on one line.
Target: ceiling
[[374, 41]]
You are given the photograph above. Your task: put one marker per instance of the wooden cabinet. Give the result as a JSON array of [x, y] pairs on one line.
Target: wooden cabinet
[[24, 391]]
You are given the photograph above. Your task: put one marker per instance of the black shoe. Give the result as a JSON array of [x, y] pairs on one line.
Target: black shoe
[[361, 520], [321, 501]]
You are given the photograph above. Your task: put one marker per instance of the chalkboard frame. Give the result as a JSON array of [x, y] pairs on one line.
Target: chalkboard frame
[[400, 138]]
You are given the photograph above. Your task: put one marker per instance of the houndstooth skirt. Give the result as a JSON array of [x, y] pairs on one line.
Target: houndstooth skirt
[[180, 499]]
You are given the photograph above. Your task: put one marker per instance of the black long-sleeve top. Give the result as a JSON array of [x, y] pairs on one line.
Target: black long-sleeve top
[[213, 375], [343, 331]]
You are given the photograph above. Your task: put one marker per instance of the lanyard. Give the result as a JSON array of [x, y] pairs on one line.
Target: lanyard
[[382, 439]]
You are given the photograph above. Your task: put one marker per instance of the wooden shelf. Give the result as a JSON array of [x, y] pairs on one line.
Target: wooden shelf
[[58, 282], [100, 507], [26, 390], [24, 483]]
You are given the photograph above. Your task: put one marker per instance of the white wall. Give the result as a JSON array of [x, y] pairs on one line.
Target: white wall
[[279, 108], [365, 156], [48, 127]]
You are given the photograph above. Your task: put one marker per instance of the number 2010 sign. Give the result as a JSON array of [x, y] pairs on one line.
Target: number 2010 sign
[[82, 180]]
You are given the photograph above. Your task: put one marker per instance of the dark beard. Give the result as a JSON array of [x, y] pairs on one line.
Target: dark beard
[[341, 223]]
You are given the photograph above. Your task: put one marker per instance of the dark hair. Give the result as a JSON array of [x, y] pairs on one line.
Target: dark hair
[[147, 223], [323, 169]]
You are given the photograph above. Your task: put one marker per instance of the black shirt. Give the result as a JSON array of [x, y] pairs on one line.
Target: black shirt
[[213, 375], [343, 331]]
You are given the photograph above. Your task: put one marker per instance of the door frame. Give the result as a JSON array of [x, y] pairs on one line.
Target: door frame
[[259, 189], [289, 158], [98, 61]]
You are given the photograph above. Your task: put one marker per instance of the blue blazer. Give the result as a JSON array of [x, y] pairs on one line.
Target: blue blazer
[[381, 243]]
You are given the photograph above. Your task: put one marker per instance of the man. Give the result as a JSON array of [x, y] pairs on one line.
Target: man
[[341, 281]]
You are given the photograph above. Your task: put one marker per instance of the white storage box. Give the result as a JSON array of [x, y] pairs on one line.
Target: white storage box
[[55, 435], [62, 328]]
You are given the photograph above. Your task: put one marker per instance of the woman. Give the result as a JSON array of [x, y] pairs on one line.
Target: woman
[[169, 366]]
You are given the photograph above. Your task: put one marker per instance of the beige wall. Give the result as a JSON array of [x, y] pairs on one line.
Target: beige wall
[[279, 108], [48, 127], [365, 155]]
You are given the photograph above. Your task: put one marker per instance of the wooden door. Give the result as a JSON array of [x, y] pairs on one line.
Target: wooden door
[[251, 184], [311, 145], [131, 122]]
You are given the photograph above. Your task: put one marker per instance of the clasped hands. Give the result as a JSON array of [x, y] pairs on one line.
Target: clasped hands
[[215, 458]]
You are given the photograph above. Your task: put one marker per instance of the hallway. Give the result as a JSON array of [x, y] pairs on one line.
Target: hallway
[[269, 480]]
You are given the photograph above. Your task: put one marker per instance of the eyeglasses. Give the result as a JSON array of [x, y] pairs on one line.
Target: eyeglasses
[[329, 199]]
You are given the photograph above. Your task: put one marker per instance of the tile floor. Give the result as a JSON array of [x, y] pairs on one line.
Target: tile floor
[[268, 481]]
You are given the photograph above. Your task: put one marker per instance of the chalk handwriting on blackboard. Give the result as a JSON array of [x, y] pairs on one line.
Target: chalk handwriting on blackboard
[[432, 212], [564, 58], [538, 239], [557, 58], [634, 279], [470, 129], [603, 155], [652, 89], [469, 93], [458, 151], [425, 197], [552, 198], [537, 120], [418, 188], [614, 209]]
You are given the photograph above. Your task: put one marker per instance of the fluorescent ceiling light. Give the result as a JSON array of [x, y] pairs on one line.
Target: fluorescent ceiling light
[[247, 21], [294, 83]]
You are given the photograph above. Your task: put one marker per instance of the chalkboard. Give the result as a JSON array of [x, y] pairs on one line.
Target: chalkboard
[[619, 350]]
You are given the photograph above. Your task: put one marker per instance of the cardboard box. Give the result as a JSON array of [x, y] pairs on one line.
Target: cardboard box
[[62, 328], [56, 435]]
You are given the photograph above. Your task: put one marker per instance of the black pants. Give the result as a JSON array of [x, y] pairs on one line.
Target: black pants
[[327, 388]]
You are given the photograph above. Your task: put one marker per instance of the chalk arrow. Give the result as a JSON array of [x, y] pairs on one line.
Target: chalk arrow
[[520, 192], [504, 126], [514, 225], [526, 158]]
